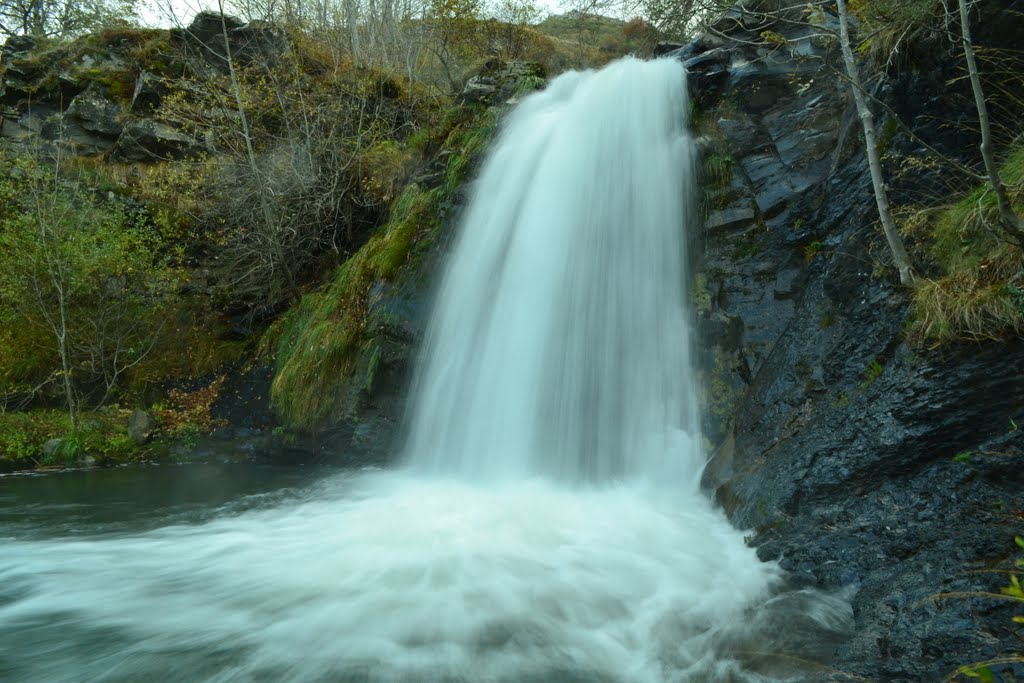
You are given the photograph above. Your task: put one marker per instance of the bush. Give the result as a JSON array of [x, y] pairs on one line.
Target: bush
[[85, 279]]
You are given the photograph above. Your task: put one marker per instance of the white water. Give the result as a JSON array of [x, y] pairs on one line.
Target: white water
[[560, 343], [549, 527]]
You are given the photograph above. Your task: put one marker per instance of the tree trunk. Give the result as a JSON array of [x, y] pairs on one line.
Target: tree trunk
[[892, 236], [236, 90], [65, 362], [1011, 221]]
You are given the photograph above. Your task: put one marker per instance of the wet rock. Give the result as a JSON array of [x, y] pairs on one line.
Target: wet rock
[[731, 217], [839, 448], [665, 47], [141, 426]]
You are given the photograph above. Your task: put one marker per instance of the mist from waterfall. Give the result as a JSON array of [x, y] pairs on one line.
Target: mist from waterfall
[[548, 526]]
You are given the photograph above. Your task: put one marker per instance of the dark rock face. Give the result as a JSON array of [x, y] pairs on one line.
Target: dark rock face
[[204, 39], [89, 121], [151, 140], [148, 95], [857, 460]]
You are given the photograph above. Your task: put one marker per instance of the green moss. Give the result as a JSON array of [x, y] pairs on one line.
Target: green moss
[[700, 296], [718, 169], [371, 370], [747, 246], [102, 434], [897, 30], [812, 249], [142, 49], [872, 372], [887, 134], [318, 341], [530, 83], [118, 84]]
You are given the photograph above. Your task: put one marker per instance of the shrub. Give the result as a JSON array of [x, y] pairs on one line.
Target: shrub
[[84, 278]]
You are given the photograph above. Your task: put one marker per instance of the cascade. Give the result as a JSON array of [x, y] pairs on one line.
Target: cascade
[[548, 524], [559, 344]]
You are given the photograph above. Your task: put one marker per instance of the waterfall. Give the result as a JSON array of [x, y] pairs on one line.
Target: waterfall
[[548, 525], [559, 344]]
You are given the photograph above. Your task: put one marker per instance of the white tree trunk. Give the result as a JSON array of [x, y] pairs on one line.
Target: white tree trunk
[[892, 236], [1011, 221]]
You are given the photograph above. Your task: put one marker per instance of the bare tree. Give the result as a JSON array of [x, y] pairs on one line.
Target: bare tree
[[83, 276], [61, 18], [1012, 223], [892, 236]]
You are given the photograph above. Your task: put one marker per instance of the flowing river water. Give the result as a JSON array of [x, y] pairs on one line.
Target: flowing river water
[[546, 524]]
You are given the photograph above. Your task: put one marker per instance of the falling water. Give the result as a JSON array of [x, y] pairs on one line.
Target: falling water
[[559, 344], [549, 526]]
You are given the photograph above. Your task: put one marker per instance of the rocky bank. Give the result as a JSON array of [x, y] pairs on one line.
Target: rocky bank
[[858, 460]]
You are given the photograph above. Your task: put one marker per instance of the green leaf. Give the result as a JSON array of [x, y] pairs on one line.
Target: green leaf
[[1019, 540], [982, 673], [963, 457], [1014, 590]]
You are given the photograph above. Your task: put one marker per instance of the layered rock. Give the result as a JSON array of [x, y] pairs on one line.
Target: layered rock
[[837, 442]]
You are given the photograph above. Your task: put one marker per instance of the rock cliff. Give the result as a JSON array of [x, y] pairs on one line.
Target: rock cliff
[[858, 460]]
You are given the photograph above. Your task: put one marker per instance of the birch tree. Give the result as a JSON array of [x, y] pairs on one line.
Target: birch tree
[[892, 236], [1012, 223], [87, 279]]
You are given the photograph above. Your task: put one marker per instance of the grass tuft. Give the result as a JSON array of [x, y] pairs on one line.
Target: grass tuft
[[979, 292]]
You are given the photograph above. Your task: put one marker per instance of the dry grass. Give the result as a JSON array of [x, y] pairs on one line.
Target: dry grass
[[978, 292]]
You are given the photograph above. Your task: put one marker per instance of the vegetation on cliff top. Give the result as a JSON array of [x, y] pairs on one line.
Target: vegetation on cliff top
[[305, 147]]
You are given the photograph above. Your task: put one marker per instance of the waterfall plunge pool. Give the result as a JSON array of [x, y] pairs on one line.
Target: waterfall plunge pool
[[246, 573]]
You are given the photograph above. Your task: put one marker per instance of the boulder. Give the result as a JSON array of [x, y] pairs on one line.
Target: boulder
[[17, 46], [499, 82], [92, 120], [256, 41], [141, 426], [52, 447]]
